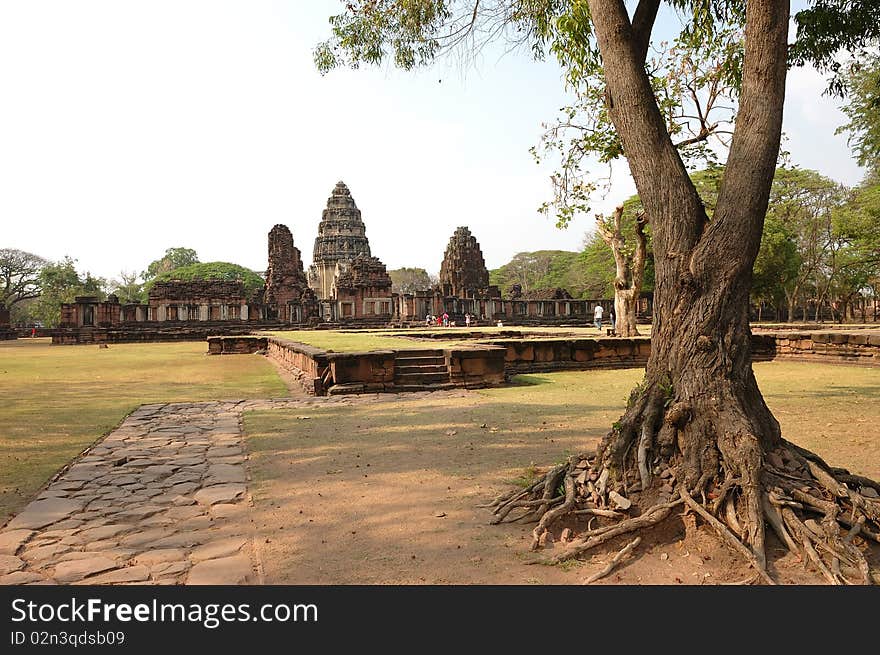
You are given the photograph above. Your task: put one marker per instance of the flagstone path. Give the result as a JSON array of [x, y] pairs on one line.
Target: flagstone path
[[161, 500]]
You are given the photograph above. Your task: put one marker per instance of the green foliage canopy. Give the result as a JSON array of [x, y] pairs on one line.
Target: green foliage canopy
[[211, 271], [172, 259]]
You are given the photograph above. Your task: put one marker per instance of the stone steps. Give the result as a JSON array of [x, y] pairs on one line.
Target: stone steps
[[419, 353], [404, 379], [418, 368], [426, 387]]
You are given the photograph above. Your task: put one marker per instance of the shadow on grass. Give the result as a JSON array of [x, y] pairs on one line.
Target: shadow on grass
[[529, 380]]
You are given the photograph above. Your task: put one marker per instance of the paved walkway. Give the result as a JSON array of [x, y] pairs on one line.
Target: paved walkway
[[163, 499], [160, 500]]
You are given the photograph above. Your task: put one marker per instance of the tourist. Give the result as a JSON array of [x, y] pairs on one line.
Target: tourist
[[428, 319], [439, 321], [467, 320], [597, 316], [500, 324], [445, 319]]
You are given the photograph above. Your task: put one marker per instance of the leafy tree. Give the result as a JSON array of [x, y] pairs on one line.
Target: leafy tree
[[20, 276], [61, 283], [699, 411], [172, 259], [409, 280], [863, 111], [803, 203], [541, 269], [857, 224], [128, 289], [776, 265], [211, 271]]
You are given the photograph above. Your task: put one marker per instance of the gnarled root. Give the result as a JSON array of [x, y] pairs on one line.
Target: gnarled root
[[825, 516]]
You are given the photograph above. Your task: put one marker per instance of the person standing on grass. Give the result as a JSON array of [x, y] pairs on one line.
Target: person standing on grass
[[597, 316]]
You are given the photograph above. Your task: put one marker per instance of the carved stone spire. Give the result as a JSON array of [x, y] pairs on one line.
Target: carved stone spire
[[463, 273], [341, 238]]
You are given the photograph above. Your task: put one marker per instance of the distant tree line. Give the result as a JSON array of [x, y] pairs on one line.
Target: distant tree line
[[34, 288], [819, 256]]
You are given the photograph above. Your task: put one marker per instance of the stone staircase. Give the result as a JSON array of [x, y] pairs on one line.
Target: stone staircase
[[421, 370]]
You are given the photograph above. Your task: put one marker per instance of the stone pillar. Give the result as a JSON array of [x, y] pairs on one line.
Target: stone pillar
[[224, 312], [204, 312], [244, 312], [160, 313]]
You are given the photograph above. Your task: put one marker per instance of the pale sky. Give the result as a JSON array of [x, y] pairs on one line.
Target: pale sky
[[128, 127]]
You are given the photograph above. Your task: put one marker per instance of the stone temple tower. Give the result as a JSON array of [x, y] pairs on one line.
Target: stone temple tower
[[341, 238], [286, 285], [463, 273]]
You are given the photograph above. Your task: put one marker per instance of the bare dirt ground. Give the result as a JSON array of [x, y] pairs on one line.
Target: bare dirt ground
[[385, 490]]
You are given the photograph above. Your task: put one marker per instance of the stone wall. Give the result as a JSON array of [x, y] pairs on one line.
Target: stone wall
[[308, 364], [477, 366], [362, 372], [321, 372], [544, 355], [847, 347], [236, 345], [143, 333]]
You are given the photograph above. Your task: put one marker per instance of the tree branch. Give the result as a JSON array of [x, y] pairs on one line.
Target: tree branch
[[643, 25]]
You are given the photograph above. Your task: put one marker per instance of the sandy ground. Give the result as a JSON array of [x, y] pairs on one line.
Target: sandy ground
[[346, 493]]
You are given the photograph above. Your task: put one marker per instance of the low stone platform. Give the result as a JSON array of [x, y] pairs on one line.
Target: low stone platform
[[160, 500]]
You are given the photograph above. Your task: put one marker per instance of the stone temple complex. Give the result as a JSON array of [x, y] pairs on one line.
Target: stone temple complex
[[344, 285]]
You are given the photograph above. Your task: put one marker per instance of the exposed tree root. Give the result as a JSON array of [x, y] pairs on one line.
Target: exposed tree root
[[626, 550], [825, 516]]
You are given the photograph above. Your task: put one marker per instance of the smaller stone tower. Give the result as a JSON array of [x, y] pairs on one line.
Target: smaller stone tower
[[288, 297], [463, 273]]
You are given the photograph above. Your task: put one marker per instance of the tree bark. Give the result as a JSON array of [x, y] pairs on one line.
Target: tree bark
[[629, 271], [699, 407]]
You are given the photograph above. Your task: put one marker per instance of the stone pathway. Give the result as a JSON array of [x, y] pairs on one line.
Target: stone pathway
[[161, 500]]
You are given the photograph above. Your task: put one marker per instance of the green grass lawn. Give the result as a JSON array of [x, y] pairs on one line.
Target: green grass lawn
[[355, 341], [359, 341], [59, 399]]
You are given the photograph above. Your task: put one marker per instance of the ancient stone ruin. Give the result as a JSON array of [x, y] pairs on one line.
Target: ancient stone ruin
[[288, 297], [463, 273], [344, 284], [341, 238], [362, 289]]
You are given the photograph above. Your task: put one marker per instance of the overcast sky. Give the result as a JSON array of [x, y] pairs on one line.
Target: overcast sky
[[128, 127]]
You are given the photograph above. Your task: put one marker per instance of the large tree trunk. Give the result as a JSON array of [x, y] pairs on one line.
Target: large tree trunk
[[629, 270], [697, 430], [699, 408]]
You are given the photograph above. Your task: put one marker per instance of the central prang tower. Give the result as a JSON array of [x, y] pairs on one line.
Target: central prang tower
[[341, 238]]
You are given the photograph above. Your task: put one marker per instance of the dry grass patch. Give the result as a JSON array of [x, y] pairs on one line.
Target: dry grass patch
[[59, 399], [384, 490]]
